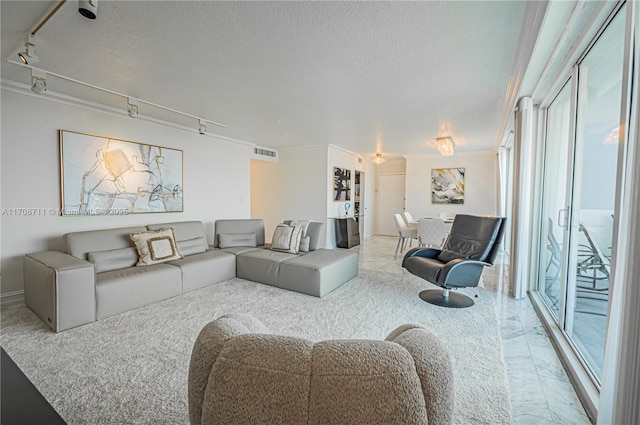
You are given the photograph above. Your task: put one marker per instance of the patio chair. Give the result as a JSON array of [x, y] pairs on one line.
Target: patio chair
[[594, 266]]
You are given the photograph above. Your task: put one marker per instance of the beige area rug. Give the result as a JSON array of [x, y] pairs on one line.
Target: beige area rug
[[132, 368]]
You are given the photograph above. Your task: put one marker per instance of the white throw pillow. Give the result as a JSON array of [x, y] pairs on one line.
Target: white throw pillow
[[303, 223], [155, 247], [305, 241], [304, 244], [286, 238]]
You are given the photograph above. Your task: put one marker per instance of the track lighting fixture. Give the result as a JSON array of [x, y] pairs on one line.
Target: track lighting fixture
[[202, 126], [88, 8], [38, 81], [132, 108], [27, 54], [38, 85]]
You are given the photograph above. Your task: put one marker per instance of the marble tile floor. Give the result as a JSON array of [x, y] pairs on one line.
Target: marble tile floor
[[541, 392]]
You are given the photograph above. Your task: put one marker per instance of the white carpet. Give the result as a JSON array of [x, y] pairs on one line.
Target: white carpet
[[132, 368]]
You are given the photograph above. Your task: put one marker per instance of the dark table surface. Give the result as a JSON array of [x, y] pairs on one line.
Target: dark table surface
[[22, 403]]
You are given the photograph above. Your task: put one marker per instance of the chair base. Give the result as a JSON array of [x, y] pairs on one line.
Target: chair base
[[446, 298]]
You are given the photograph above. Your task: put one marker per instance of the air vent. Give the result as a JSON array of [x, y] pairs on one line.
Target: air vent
[[265, 154]]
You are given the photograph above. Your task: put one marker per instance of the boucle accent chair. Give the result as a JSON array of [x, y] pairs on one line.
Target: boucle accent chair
[[241, 374]]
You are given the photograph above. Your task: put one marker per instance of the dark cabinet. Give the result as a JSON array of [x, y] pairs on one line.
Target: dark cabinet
[[347, 233]]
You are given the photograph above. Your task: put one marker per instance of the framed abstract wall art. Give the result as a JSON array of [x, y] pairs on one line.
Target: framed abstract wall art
[[101, 175], [341, 184], [447, 185]]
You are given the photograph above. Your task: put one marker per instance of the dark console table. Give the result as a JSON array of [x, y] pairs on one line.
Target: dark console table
[[22, 403], [347, 232]]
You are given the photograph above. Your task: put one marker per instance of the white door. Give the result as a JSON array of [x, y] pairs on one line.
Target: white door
[[390, 201]]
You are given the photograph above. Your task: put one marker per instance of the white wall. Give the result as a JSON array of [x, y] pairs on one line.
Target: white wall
[[216, 175], [371, 177], [300, 186], [293, 188], [393, 166], [481, 174]]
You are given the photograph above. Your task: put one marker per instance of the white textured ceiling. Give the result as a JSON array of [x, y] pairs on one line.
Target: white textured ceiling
[[360, 75]]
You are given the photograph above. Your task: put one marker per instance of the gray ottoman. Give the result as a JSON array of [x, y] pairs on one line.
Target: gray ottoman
[[318, 272], [261, 265]]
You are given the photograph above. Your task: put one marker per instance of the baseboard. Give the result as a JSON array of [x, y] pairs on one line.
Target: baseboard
[[11, 298]]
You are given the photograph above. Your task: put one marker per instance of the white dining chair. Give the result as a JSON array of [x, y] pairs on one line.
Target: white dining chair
[[432, 232], [408, 219], [404, 233], [447, 216]]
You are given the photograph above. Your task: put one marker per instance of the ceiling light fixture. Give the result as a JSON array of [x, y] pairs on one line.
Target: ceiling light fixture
[[27, 54], [202, 126], [38, 85], [379, 159], [88, 8], [132, 108], [38, 81], [445, 145]]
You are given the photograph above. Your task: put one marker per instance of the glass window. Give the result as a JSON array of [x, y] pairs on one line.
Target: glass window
[[593, 194], [554, 203]]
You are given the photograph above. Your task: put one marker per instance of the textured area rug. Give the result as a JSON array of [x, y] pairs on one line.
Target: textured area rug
[[132, 368]]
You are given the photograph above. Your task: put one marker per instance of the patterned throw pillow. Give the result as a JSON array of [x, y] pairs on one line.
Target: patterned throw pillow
[[286, 238], [155, 247]]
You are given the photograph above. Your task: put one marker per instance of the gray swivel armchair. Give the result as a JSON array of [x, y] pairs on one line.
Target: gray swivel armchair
[[472, 244]]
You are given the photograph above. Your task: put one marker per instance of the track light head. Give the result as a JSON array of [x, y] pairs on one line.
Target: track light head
[[38, 81], [132, 108], [27, 54], [88, 8], [38, 85], [202, 127]]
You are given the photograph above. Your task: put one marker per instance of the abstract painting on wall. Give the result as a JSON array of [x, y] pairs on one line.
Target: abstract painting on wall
[[106, 176], [447, 186], [341, 184]]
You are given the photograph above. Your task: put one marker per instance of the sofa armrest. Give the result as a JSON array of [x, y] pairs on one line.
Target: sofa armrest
[[207, 348], [60, 289]]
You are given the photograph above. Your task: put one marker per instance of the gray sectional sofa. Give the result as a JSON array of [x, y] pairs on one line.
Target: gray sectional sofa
[[97, 276]]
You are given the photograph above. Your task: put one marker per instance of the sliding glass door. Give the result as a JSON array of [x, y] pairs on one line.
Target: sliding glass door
[[594, 188], [579, 186], [554, 205]]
